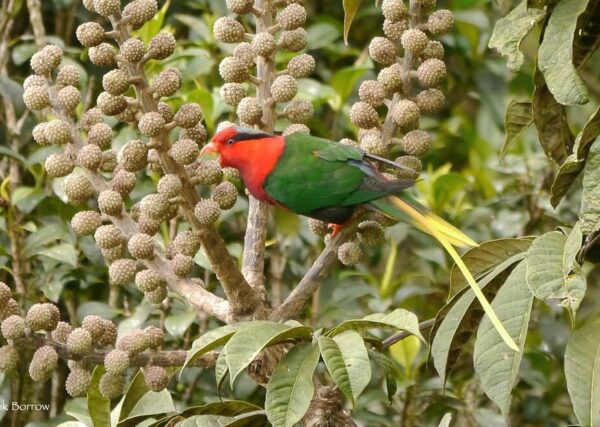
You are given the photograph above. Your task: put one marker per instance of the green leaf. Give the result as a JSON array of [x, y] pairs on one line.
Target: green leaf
[[587, 35], [575, 163], [98, 405], [405, 352], [555, 55], [486, 257], [511, 30], [550, 120], [446, 419], [518, 118], [228, 408], [253, 419], [6, 151], [136, 389], [221, 371], [572, 247], [343, 82], [347, 361], [209, 341], [350, 9], [246, 344], [291, 387], [153, 26], [582, 370], [177, 324], [398, 319], [26, 199], [456, 322], [495, 363], [589, 214], [150, 404], [389, 370], [545, 275], [204, 98], [63, 252]]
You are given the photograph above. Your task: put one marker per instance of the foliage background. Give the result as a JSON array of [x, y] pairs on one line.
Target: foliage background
[[465, 178]]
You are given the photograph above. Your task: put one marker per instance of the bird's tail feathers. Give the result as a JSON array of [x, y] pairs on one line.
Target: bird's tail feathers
[[448, 236]]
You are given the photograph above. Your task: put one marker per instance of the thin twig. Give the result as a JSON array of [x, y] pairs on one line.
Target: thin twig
[[37, 22], [300, 296], [426, 324]]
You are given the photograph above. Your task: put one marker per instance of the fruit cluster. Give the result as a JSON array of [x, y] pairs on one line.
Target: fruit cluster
[[407, 86], [94, 334], [99, 179], [276, 30]]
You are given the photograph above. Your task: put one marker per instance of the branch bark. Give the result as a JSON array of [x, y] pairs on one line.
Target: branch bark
[[299, 297], [96, 357], [253, 260], [243, 301], [196, 295]]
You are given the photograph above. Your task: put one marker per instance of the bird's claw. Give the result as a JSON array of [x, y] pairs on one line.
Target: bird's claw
[[335, 228]]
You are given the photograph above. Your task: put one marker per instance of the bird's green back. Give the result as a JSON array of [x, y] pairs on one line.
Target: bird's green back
[[314, 173]]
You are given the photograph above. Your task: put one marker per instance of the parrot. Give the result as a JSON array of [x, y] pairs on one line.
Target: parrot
[[330, 181]]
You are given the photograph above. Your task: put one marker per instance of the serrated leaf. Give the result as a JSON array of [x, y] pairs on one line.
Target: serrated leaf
[[555, 55], [291, 387], [398, 319], [246, 344], [550, 120], [350, 9], [518, 117], [98, 405], [456, 322], [575, 163], [511, 30], [582, 371], [495, 363], [486, 257], [347, 361], [589, 214]]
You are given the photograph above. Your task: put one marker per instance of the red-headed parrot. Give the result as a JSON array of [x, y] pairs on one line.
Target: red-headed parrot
[[328, 181]]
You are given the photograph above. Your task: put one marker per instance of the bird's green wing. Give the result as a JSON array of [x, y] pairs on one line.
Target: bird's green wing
[[314, 173]]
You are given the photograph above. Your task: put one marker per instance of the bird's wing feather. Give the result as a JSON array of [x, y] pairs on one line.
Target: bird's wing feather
[[315, 173]]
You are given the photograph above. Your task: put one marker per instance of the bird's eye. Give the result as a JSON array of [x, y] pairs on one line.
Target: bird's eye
[[229, 141]]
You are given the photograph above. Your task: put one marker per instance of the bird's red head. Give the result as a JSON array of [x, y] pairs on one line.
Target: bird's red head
[[236, 146], [252, 152]]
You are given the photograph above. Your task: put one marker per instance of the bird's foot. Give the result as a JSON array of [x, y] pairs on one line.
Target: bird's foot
[[336, 228]]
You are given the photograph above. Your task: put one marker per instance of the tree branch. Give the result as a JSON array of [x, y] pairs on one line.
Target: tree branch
[[426, 324], [242, 299], [96, 357], [253, 260], [196, 295], [37, 22], [299, 297]]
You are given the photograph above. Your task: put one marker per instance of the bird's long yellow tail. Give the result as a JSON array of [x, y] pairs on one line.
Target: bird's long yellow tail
[[447, 235]]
